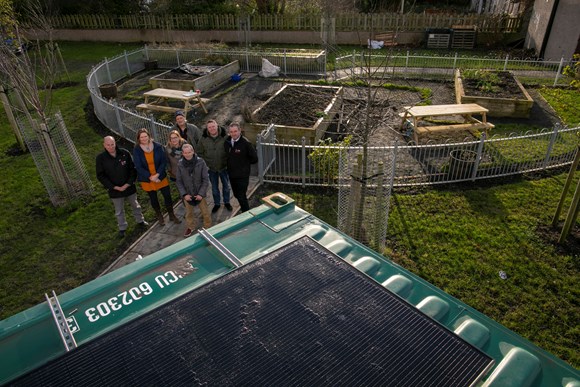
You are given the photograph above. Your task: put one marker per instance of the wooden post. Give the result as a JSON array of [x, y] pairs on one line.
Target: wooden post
[[572, 214], [566, 187], [12, 119]]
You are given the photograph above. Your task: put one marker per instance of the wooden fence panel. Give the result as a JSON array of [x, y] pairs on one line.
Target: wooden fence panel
[[262, 22]]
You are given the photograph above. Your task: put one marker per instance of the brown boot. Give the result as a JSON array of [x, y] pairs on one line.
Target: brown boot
[[172, 216], [159, 216]]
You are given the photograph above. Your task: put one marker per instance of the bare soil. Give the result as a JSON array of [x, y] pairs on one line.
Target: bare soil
[[507, 87], [295, 106]]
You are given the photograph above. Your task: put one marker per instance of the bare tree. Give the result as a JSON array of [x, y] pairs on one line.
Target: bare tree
[[29, 72]]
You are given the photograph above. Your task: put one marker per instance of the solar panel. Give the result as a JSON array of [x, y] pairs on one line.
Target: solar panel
[[300, 315]]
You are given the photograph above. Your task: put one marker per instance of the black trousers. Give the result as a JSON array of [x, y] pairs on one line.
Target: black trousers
[[239, 189], [166, 192]]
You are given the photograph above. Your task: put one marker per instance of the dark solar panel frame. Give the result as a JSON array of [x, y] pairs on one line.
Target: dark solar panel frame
[[299, 316]]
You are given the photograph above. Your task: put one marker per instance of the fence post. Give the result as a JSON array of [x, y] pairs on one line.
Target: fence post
[[454, 62], [505, 63], [108, 70], [153, 128], [146, 50], [247, 60], [127, 63], [559, 71], [303, 142], [406, 63], [478, 158], [118, 117], [285, 68], [177, 57], [551, 145], [259, 150]]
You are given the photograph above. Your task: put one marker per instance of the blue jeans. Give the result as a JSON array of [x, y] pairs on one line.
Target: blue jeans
[[214, 178]]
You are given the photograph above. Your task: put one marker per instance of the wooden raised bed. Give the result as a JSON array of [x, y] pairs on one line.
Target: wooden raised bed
[[519, 106]]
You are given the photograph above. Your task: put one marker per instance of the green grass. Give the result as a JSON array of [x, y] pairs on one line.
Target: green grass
[[459, 240], [43, 248], [566, 102]]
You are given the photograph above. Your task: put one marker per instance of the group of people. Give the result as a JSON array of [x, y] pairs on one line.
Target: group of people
[[191, 158]]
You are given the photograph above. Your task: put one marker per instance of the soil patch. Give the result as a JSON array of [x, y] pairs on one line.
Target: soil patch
[[296, 106], [505, 86]]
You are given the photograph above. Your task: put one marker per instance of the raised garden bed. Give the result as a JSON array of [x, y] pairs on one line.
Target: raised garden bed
[[297, 111], [205, 78], [501, 93]]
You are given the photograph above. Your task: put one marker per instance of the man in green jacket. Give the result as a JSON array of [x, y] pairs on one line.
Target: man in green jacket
[[211, 148]]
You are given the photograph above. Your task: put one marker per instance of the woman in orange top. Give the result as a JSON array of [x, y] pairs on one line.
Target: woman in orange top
[[151, 164]]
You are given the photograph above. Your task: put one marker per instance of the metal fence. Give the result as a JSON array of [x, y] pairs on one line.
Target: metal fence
[[61, 168], [293, 164], [530, 71], [414, 165], [125, 121]]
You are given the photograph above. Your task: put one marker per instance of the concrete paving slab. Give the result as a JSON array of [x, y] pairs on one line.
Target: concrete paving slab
[[158, 237]]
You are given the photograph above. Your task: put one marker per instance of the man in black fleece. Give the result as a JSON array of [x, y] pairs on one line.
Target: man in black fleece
[[116, 172], [241, 154]]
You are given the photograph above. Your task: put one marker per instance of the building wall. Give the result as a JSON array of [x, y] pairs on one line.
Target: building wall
[[565, 28], [565, 32], [281, 37]]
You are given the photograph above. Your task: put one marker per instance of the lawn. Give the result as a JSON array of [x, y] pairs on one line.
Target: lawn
[[457, 238]]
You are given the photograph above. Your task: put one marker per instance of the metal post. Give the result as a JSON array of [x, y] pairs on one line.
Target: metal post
[[177, 58], [406, 63], [153, 127], [303, 141], [505, 64], [285, 68], [127, 63], [247, 60], [146, 51], [108, 70], [118, 117], [259, 151], [478, 158], [454, 62], [551, 145], [559, 71]]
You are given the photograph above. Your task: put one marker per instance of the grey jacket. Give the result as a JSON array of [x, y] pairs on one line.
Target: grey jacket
[[211, 149], [195, 183]]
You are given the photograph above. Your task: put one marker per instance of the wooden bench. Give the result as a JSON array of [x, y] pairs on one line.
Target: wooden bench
[[414, 114], [388, 38]]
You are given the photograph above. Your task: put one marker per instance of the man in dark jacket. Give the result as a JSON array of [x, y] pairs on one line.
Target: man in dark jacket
[[211, 148], [192, 181], [241, 154], [116, 172]]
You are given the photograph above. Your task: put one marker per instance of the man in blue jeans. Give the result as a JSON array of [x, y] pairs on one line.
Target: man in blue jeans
[[210, 148]]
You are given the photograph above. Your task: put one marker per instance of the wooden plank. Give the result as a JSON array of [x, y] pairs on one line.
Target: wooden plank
[[442, 128], [442, 110], [147, 106]]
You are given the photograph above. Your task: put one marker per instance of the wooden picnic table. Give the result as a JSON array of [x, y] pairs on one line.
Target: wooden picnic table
[[415, 114], [157, 99]]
